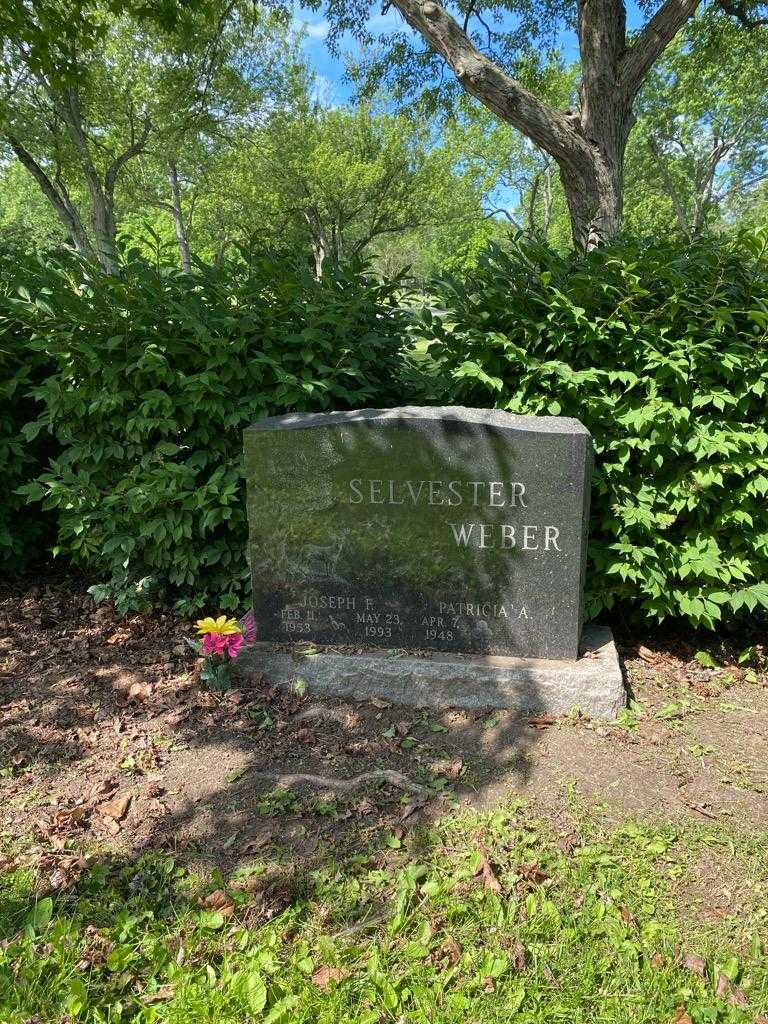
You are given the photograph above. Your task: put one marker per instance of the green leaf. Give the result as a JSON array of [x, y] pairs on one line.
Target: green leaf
[[255, 992], [41, 914], [705, 659], [212, 920]]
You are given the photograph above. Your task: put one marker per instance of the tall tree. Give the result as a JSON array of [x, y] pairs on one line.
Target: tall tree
[[258, 70], [344, 179], [701, 142], [480, 40], [102, 91], [519, 179]]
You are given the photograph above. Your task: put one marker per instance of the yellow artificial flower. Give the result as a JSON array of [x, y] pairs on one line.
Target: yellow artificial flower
[[223, 626]]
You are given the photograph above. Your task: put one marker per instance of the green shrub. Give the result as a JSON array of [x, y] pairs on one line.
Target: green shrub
[[662, 354], [24, 532], [156, 374]]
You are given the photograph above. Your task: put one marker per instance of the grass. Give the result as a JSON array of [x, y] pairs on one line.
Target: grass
[[477, 919]]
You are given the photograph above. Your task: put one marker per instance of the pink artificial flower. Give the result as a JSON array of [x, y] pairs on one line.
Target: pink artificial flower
[[248, 627], [215, 643], [223, 644], [233, 643]]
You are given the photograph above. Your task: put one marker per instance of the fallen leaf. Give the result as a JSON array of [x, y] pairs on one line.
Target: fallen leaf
[[378, 703], [723, 986], [449, 951], [518, 957], [257, 840], [218, 900], [715, 913], [739, 998], [681, 1016], [486, 874], [99, 789], [648, 655], [531, 873], [696, 965], [356, 747], [115, 809], [163, 993], [409, 808], [570, 842], [657, 961], [627, 917], [139, 692], [68, 817], [542, 721], [325, 975], [305, 735], [547, 972], [452, 769]]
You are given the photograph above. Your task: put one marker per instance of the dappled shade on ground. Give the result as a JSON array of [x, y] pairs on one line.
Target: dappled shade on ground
[[371, 880]]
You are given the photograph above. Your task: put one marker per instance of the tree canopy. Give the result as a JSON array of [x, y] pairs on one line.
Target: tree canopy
[[191, 129], [480, 43]]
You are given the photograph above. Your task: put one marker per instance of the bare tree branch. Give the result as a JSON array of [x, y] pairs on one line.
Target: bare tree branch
[[548, 127], [500, 209], [138, 146], [651, 42]]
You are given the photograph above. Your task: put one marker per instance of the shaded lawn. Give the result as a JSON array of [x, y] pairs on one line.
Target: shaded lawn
[[480, 916], [153, 870]]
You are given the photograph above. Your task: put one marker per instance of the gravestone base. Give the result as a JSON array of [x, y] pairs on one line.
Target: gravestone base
[[593, 683]]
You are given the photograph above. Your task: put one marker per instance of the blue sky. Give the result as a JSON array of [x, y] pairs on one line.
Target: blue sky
[[329, 69]]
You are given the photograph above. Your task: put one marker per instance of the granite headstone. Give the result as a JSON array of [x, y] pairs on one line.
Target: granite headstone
[[446, 529]]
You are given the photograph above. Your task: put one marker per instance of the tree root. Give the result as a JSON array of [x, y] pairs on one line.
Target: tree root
[[288, 779]]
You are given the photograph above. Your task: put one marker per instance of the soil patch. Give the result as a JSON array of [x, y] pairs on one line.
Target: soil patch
[[107, 738]]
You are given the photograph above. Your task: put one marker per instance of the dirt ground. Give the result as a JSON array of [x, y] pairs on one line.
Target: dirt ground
[[108, 741]]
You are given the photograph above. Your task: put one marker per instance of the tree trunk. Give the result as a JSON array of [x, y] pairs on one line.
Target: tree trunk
[[671, 189], [588, 144], [178, 220], [595, 201], [319, 254], [101, 193], [546, 220], [594, 186], [594, 180], [58, 197], [541, 188], [102, 216], [104, 229], [320, 247]]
